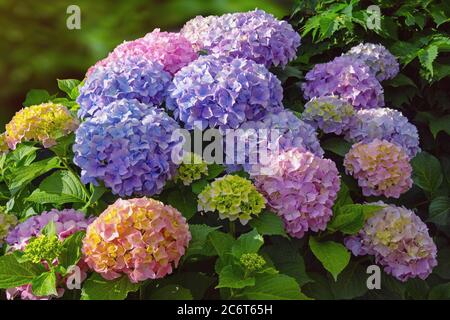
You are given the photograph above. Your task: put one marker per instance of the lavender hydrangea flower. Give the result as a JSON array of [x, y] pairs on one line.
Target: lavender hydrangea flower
[[127, 145], [132, 77], [399, 240], [217, 92], [254, 35], [380, 61], [346, 77], [384, 124], [329, 113]]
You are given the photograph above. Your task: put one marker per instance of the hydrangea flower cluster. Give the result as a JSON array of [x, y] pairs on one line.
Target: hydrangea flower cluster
[[381, 62], [43, 248], [7, 222], [254, 35], [381, 168], [348, 78], [301, 188], [170, 49], [131, 77], [43, 123], [252, 262], [329, 113], [233, 197], [399, 240], [67, 222], [127, 146], [141, 238], [384, 124], [217, 92], [191, 169]]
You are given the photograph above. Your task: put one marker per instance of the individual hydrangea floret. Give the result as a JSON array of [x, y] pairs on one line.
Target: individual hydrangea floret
[[254, 35], [141, 238], [252, 262], [381, 168], [233, 197], [43, 123], [170, 49], [348, 78], [67, 222], [43, 248], [399, 240], [301, 188], [128, 146], [330, 114], [7, 222], [220, 93], [191, 169], [132, 77], [384, 124], [382, 63]]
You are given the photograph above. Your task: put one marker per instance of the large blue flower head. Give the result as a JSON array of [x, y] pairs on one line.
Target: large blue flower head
[[218, 92], [384, 124], [133, 77], [254, 35], [348, 78], [128, 146]]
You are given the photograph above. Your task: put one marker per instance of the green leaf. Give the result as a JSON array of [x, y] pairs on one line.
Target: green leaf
[[49, 229], [199, 245], [222, 242], [274, 287], [27, 174], [337, 145], [443, 267], [59, 188], [349, 219], [439, 211], [247, 243], [68, 85], [351, 283], [440, 124], [36, 96], [400, 81], [343, 197], [268, 223], [333, 256], [232, 276], [198, 186], [71, 253], [63, 147], [15, 274], [437, 11], [97, 288], [214, 170], [427, 56], [171, 292], [183, 200], [44, 284], [440, 292], [427, 172]]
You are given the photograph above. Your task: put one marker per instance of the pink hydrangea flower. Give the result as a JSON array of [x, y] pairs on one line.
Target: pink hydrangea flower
[[142, 238], [381, 168], [301, 188]]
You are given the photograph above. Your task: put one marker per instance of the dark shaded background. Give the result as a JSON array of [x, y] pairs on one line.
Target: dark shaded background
[[37, 48]]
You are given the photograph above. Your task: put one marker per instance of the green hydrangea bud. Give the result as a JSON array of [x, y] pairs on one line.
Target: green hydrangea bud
[[252, 262], [7, 222], [233, 197], [192, 168], [46, 248]]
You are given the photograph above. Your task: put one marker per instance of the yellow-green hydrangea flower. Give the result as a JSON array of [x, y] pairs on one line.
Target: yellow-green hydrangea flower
[[43, 248], [44, 123], [3, 144], [252, 262], [192, 168], [233, 197]]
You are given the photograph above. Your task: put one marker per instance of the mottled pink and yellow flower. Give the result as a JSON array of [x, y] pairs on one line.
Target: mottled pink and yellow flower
[[142, 238]]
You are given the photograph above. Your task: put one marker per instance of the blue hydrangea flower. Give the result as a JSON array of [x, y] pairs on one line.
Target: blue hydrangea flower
[[128, 146], [384, 124], [132, 77], [223, 93]]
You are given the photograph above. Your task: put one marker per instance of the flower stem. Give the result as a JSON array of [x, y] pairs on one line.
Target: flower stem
[[232, 228]]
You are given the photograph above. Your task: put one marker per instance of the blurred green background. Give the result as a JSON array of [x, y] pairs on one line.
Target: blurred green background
[[37, 48]]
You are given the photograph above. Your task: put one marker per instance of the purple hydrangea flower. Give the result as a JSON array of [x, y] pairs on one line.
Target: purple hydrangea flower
[[218, 92], [346, 77], [329, 113], [127, 145], [132, 77], [384, 124], [380, 61], [254, 35], [399, 240]]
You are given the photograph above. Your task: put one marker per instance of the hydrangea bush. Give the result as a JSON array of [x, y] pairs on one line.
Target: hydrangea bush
[[99, 199]]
